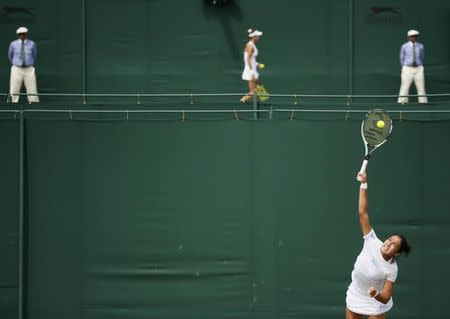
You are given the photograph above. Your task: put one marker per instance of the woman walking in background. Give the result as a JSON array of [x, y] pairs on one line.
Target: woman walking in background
[[250, 72], [375, 269]]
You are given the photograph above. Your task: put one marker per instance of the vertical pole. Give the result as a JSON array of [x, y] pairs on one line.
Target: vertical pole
[[255, 106], [350, 45], [83, 44], [21, 210]]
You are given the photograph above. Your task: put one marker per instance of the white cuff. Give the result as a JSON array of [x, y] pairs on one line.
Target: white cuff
[[363, 186]]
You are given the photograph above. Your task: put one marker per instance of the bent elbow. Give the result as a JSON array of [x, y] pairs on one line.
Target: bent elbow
[[384, 299]]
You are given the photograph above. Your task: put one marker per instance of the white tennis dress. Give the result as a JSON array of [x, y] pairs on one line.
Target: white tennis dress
[[370, 270], [250, 74]]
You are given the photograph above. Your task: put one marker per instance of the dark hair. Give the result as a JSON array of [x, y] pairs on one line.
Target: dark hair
[[404, 246]]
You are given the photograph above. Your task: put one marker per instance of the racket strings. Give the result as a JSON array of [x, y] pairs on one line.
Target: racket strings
[[373, 134]]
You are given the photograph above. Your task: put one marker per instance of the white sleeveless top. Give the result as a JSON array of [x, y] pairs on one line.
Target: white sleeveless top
[[250, 74]]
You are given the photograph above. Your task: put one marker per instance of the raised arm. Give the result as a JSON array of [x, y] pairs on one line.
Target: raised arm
[[363, 205]]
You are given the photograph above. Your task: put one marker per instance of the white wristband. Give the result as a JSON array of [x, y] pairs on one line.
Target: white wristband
[[363, 186]]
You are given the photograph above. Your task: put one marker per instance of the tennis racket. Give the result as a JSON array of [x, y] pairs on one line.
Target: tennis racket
[[375, 130], [261, 92]]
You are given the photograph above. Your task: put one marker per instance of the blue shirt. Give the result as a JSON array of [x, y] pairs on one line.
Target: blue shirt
[[407, 55], [30, 52]]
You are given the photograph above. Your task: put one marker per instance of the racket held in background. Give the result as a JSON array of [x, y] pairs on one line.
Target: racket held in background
[[262, 93], [375, 130]]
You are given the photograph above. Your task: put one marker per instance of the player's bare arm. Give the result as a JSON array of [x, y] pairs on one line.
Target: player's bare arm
[[250, 51], [363, 206], [385, 295]]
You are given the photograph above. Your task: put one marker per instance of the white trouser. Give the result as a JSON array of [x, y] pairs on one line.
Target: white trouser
[[410, 74], [27, 76]]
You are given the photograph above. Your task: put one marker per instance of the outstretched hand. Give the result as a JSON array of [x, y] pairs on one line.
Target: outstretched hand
[[362, 177]]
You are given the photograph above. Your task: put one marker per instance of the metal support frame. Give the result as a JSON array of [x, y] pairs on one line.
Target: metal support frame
[[21, 210]]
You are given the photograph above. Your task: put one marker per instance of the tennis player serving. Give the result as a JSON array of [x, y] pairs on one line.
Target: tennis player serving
[[375, 269]]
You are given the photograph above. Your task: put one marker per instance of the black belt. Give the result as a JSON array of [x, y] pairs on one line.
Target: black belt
[[23, 66], [414, 65]]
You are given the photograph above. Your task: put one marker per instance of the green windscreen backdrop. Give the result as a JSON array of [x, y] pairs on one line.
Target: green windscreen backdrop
[[9, 216], [159, 46], [219, 218], [230, 218]]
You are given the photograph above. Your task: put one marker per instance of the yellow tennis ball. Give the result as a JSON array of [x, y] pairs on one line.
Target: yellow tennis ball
[[380, 124], [262, 65]]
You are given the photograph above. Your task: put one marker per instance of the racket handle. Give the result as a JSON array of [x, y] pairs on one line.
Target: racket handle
[[363, 168]]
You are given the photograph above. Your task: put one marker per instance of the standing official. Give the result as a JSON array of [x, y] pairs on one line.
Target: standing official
[[22, 55], [411, 59]]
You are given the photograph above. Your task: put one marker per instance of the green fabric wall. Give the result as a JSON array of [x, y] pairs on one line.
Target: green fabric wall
[[9, 216], [310, 46], [257, 181], [234, 218]]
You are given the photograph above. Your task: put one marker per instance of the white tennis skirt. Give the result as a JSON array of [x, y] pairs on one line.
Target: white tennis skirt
[[248, 75], [364, 305]]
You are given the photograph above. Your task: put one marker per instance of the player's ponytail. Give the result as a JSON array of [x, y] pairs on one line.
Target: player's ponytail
[[404, 246]]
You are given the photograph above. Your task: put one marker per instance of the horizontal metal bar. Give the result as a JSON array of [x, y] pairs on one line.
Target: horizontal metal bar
[[188, 95], [136, 95], [359, 111], [355, 95], [142, 111], [227, 111]]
